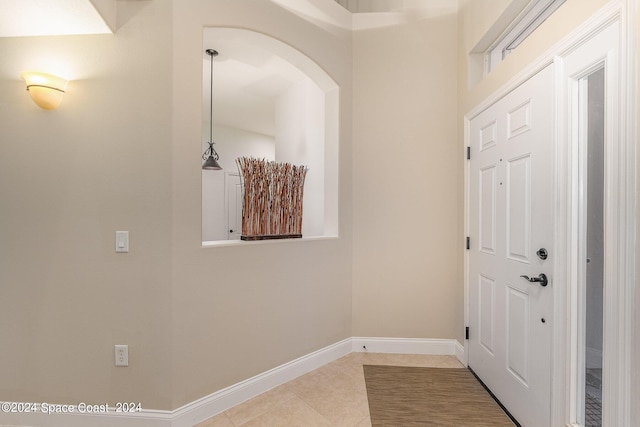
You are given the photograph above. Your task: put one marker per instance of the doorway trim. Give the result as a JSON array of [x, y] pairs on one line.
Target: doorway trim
[[621, 193], [227, 177]]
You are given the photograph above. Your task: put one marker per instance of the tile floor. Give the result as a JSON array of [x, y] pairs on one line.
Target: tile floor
[[593, 398], [333, 395]]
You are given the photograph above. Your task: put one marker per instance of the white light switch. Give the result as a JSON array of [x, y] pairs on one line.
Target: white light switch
[[122, 241]]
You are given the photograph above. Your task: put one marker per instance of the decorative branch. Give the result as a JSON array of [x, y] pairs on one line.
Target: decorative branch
[[272, 202]]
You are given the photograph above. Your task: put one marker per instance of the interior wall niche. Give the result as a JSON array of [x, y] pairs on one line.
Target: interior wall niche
[[272, 102]]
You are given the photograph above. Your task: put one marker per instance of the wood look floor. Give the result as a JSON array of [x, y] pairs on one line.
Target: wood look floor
[[333, 395]]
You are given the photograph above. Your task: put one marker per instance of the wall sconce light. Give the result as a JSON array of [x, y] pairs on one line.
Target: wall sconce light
[[46, 90]]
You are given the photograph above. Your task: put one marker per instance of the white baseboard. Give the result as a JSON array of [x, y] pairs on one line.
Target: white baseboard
[[461, 353], [229, 397], [445, 347], [404, 345], [146, 418], [215, 403]]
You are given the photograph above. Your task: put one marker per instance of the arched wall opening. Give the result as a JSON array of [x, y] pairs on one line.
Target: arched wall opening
[[269, 101]]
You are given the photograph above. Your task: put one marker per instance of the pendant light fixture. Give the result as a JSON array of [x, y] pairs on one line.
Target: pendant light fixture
[[210, 156]]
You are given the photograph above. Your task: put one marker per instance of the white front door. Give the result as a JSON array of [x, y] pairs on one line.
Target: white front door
[[510, 219]]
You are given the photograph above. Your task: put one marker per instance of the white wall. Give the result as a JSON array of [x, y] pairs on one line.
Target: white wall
[[231, 143], [300, 140]]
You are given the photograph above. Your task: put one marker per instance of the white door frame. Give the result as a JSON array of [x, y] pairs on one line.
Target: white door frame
[[621, 200], [227, 177]]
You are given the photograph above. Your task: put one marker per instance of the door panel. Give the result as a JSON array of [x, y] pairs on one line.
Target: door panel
[[519, 208], [511, 217], [487, 210], [517, 339], [487, 297]]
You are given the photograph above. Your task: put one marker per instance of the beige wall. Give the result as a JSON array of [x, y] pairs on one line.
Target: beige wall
[[473, 24], [68, 180], [239, 311], [123, 153], [405, 178]]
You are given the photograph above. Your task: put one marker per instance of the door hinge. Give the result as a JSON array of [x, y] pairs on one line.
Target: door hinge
[[468, 242], [469, 153], [466, 333]]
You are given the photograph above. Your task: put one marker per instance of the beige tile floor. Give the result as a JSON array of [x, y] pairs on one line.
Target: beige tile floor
[[333, 395]]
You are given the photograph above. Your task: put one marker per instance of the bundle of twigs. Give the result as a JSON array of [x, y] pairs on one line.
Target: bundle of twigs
[[272, 202]]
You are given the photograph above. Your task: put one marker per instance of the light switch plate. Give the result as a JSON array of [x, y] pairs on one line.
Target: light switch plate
[[122, 241]]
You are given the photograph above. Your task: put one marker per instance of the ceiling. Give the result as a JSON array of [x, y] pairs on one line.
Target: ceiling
[[248, 80], [248, 77], [20, 18], [372, 6]]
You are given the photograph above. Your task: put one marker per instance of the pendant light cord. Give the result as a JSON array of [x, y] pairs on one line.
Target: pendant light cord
[[211, 53], [211, 151]]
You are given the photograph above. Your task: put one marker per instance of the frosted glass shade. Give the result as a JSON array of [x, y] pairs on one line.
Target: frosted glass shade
[[46, 90]]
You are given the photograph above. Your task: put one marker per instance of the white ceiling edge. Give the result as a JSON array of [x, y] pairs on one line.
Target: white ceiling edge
[[385, 6], [107, 10], [20, 18], [501, 25]]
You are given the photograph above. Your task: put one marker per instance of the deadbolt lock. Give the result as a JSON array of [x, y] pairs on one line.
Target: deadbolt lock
[[542, 253]]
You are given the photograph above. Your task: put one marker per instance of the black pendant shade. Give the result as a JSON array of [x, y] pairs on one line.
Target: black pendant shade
[[211, 162]]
